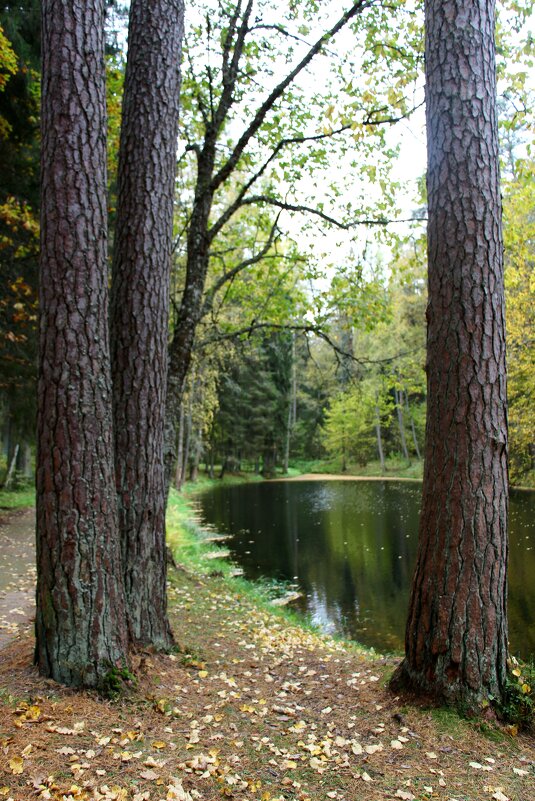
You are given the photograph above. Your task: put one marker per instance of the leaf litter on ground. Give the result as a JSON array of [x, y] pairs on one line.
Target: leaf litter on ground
[[250, 707]]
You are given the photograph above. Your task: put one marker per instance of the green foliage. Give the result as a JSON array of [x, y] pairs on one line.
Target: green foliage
[[518, 704], [17, 499], [116, 682], [519, 236], [19, 224]]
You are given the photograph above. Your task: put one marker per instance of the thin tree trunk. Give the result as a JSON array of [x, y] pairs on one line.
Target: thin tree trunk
[[413, 429], [456, 638], [179, 472], [287, 441], [80, 617], [187, 443], [11, 468], [194, 473], [140, 306], [399, 411], [223, 467], [378, 435]]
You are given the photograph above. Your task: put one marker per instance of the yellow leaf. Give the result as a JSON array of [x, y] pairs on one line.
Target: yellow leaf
[[34, 713], [159, 744], [516, 672], [16, 764], [203, 674]]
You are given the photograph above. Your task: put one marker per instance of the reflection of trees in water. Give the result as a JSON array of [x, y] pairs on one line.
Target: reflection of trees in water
[[352, 547]]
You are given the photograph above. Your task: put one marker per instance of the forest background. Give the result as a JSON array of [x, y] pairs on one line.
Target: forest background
[[310, 349]]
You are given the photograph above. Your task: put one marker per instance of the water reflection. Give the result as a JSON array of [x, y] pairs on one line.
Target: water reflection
[[351, 547]]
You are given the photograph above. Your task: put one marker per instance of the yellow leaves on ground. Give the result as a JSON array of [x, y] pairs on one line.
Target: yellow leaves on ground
[[16, 764]]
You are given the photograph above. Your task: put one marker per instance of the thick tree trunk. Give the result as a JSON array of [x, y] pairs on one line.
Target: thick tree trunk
[[80, 618], [456, 639], [140, 306]]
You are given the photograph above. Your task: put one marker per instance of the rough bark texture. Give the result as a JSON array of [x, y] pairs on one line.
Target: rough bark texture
[[140, 306], [456, 639], [80, 627]]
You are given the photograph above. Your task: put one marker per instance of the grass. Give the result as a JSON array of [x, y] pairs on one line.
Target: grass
[[18, 498], [396, 467]]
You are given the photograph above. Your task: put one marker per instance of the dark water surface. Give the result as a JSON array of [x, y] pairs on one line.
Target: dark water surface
[[351, 548]]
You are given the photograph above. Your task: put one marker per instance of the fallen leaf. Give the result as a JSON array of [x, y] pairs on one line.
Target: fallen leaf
[[149, 775], [16, 764]]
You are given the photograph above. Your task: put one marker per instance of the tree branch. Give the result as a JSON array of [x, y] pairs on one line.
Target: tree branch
[[273, 201], [238, 202], [278, 91], [231, 274]]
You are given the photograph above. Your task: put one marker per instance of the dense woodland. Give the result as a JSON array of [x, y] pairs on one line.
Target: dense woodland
[[259, 300], [301, 359]]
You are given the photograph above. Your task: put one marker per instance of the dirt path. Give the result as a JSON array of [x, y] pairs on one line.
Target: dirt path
[[17, 573]]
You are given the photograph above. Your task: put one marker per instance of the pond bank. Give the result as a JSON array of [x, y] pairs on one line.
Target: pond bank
[[343, 477]]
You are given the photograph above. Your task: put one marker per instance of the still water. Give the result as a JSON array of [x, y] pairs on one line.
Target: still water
[[351, 548]]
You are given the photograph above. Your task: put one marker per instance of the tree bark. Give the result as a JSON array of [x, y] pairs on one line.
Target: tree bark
[[456, 638], [80, 618], [140, 306]]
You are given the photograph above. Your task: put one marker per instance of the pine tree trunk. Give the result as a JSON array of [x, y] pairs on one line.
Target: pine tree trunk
[[456, 639], [140, 306], [80, 618]]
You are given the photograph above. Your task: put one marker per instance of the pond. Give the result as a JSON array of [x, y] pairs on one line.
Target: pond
[[351, 548]]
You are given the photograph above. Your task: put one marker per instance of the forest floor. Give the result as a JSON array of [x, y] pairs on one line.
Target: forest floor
[[249, 705]]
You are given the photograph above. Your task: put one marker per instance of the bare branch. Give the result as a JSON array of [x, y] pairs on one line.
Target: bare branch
[[305, 328], [302, 209]]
